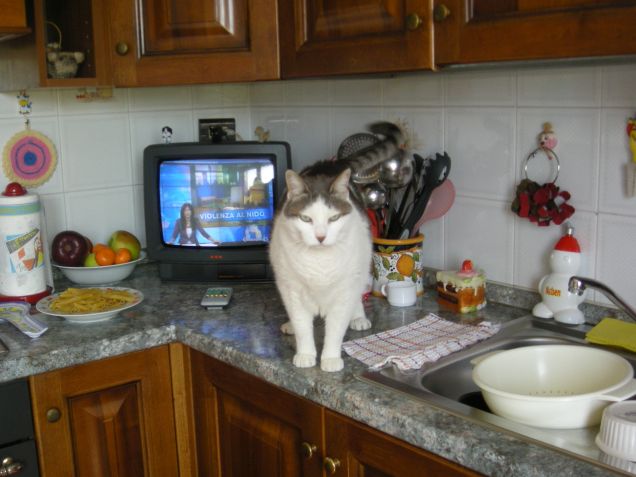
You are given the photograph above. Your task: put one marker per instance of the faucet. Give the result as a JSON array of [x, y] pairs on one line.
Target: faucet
[[579, 284]]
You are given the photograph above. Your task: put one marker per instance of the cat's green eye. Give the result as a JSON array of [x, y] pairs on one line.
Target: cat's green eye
[[305, 218], [333, 218]]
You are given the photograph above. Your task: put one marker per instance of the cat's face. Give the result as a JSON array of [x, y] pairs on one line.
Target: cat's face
[[318, 209]]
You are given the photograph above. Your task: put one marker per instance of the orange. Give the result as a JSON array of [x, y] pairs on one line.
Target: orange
[[105, 256], [405, 265], [98, 246], [123, 255]]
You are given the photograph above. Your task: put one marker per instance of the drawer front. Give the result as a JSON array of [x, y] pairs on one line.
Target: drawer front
[[16, 423], [26, 454]]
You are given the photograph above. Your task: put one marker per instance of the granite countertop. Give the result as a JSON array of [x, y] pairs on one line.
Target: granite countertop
[[246, 335]]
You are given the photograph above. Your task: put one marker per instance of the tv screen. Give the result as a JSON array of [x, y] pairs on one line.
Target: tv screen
[[210, 207], [218, 201]]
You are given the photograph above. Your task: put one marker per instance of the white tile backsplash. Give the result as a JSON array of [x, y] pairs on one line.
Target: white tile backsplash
[[96, 153], [480, 142], [559, 87], [483, 88], [487, 120]]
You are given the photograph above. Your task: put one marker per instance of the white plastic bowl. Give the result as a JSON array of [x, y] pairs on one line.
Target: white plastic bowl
[[554, 386], [617, 435], [105, 275]]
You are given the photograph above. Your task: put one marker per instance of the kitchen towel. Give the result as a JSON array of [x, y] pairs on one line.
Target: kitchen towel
[[613, 332], [424, 341]]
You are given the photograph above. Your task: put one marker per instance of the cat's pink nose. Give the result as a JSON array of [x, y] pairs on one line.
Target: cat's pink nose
[[320, 238]]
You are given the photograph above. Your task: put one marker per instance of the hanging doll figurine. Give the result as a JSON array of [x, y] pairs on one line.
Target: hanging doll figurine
[[547, 138], [542, 204]]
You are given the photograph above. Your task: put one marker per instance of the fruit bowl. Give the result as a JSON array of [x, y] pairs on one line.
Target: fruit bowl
[[104, 275]]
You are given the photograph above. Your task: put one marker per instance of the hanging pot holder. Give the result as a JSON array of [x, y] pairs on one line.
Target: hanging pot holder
[[542, 204]]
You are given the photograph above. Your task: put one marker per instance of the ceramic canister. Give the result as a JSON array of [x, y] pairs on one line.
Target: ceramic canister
[[23, 259], [398, 260]]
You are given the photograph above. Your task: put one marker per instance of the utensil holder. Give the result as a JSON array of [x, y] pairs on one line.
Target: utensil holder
[[398, 260]]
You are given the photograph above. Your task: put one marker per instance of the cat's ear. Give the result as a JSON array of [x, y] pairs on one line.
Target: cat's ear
[[295, 184], [340, 186]]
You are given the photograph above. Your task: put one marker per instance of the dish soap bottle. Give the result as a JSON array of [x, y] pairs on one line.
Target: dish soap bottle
[[558, 302]]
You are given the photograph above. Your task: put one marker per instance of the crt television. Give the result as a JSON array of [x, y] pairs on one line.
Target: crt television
[[209, 208]]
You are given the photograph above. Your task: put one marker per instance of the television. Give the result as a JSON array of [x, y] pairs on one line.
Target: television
[[209, 208]]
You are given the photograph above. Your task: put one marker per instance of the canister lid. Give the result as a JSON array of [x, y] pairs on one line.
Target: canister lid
[[14, 189], [15, 194]]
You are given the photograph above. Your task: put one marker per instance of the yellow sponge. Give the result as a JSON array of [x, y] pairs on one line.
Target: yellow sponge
[[613, 332]]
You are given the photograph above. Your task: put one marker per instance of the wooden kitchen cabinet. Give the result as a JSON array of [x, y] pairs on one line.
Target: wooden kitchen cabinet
[[319, 38], [168, 42], [245, 426], [79, 26], [13, 21], [357, 450], [108, 417], [474, 31]]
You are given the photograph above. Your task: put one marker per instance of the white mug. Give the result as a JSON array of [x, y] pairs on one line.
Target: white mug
[[400, 293]]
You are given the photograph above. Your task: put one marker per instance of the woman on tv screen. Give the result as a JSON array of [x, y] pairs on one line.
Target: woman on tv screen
[[187, 226]]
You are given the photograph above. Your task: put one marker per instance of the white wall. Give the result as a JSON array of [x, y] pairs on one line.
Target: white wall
[[486, 120]]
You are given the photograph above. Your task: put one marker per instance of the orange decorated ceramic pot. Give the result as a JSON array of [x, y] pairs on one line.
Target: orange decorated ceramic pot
[[398, 260]]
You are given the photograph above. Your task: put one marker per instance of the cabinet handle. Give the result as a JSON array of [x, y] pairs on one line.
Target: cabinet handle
[[331, 465], [441, 12], [121, 48], [308, 450], [413, 21], [9, 467], [53, 414]]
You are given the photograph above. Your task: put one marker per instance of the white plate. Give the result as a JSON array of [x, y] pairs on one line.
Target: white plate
[[44, 306]]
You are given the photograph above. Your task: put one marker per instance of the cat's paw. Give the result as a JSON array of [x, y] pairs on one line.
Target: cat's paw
[[287, 328], [331, 364], [360, 324], [304, 360]]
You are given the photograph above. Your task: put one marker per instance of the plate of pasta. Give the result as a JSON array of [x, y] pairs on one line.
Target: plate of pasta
[[89, 305]]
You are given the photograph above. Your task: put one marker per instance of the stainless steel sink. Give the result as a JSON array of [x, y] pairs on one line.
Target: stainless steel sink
[[448, 383]]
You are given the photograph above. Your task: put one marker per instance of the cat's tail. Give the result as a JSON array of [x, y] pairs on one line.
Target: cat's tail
[[365, 163], [390, 131]]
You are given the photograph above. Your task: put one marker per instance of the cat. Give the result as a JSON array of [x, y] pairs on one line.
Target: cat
[[321, 250]]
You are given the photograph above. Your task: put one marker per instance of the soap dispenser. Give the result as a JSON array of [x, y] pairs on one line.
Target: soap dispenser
[[557, 301]]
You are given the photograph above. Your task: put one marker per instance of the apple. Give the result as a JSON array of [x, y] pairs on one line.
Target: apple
[[69, 248], [90, 261], [124, 239]]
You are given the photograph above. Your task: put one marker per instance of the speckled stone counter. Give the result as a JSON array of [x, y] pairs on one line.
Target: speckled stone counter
[[246, 335]]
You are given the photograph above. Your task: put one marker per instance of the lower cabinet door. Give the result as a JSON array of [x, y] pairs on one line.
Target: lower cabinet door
[[355, 450], [107, 418], [262, 430]]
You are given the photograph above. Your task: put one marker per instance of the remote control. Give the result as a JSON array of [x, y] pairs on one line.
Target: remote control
[[216, 298]]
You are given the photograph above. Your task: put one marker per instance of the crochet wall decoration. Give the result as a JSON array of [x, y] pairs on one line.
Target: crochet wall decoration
[[29, 157], [547, 203]]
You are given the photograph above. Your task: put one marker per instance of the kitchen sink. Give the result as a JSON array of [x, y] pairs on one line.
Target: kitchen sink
[[448, 383]]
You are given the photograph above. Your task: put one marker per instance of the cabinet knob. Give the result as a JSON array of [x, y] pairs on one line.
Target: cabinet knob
[[308, 450], [331, 465], [441, 12], [8, 467], [121, 48], [53, 414], [413, 21]]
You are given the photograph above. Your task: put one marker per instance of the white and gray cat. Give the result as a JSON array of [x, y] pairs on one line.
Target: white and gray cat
[[321, 250]]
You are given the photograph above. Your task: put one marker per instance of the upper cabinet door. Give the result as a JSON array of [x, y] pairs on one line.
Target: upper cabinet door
[[166, 42], [331, 37], [13, 21], [472, 31]]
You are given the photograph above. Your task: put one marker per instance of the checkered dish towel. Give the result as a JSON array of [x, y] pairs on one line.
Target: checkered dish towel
[[410, 346]]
